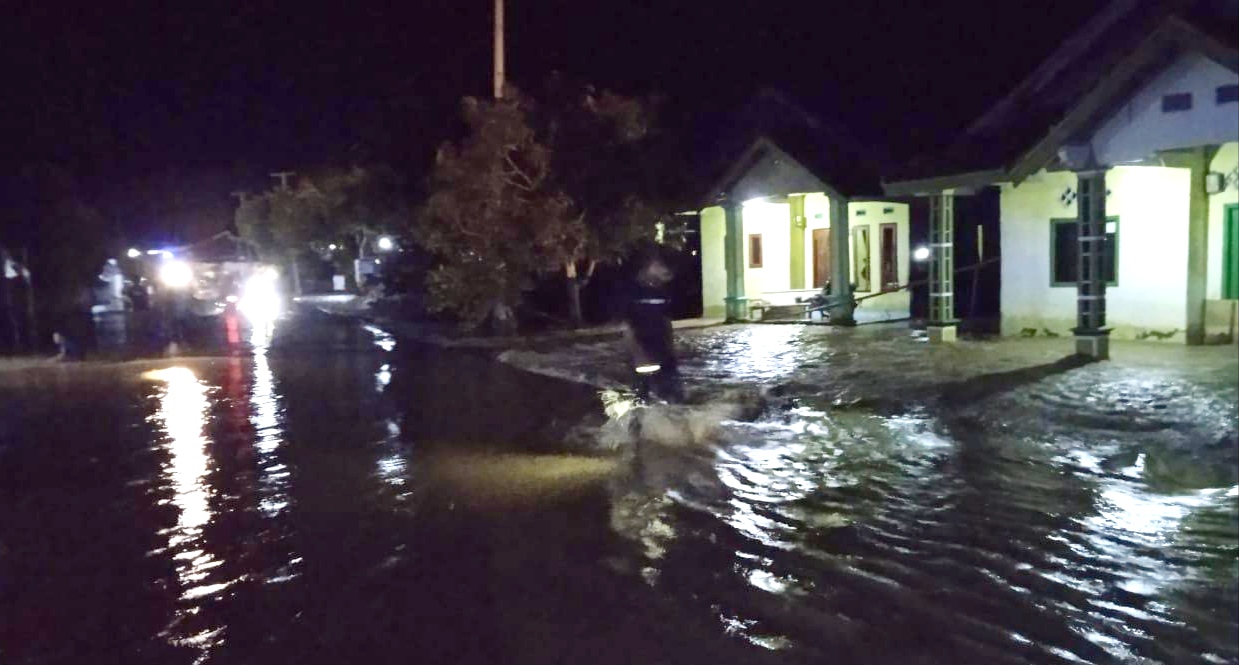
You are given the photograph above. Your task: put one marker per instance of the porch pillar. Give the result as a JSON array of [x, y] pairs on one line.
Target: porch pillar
[[942, 323], [1197, 242], [733, 261], [841, 309], [796, 246], [1091, 334]]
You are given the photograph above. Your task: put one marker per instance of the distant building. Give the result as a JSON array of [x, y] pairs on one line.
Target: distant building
[[1117, 161], [793, 204]]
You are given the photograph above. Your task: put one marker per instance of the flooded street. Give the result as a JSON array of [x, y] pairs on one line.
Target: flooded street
[[335, 495]]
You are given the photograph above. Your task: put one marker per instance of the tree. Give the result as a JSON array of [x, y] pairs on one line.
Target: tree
[[65, 239], [614, 166], [492, 218], [536, 189], [347, 207]]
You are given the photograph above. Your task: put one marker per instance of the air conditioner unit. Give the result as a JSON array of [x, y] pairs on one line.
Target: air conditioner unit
[[1214, 183]]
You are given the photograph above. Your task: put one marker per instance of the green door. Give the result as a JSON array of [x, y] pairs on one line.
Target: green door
[[1230, 256]]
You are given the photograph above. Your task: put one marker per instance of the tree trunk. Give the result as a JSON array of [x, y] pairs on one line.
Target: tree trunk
[[32, 322], [503, 319], [296, 277], [574, 295]]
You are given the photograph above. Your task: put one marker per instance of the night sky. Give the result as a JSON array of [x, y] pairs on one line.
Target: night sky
[[129, 89]]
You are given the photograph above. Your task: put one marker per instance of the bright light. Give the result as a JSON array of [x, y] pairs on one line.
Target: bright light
[[153, 252], [176, 274], [921, 254], [378, 261], [260, 299], [648, 369], [386, 243], [332, 247], [133, 253]]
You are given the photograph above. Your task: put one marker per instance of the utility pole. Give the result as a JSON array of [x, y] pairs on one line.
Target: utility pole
[[283, 177], [499, 73]]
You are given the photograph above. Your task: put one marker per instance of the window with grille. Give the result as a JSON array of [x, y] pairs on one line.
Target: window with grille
[[1065, 252]]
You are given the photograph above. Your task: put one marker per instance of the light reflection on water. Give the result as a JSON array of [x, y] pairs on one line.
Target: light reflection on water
[[836, 512], [183, 407]]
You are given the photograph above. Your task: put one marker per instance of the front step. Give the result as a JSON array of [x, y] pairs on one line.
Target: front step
[[785, 313]]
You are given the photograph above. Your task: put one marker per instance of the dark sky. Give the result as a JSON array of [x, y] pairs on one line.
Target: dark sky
[[115, 89]]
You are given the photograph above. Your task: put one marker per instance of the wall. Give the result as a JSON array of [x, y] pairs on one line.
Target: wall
[[871, 215], [713, 269], [773, 222], [1140, 128], [1225, 161], [1152, 206]]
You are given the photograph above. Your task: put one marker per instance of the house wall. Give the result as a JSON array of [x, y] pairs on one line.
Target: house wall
[[1225, 162], [1140, 128], [773, 222], [1151, 295], [772, 282], [713, 269], [871, 215]]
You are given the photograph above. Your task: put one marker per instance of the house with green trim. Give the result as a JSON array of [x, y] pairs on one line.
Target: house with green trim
[[794, 204], [1117, 162]]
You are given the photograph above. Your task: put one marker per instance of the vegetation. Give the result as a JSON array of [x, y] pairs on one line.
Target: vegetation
[[539, 188]]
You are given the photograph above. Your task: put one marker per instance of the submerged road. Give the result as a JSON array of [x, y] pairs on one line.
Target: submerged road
[[330, 494]]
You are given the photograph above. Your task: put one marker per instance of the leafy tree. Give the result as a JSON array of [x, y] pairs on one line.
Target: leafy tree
[[492, 217], [612, 163], [67, 241], [345, 207], [536, 189]]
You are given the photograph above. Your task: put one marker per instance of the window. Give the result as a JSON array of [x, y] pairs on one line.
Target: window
[[889, 234], [755, 250], [1179, 101], [1227, 94], [1065, 252], [860, 264]]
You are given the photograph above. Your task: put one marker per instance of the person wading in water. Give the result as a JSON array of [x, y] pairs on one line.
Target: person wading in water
[[648, 332]]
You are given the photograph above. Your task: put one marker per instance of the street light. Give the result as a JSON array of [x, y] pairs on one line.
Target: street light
[[921, 254], [386, 244], [133, 253], [332, 247], [175, 274]]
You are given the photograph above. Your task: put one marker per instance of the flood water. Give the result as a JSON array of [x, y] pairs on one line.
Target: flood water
[[334, 495]]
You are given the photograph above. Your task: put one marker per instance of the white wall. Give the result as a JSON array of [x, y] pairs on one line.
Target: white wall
[[871, 215], [713, 267], [1140, 128], [1152, 206], [1225, 161], [773, 222]]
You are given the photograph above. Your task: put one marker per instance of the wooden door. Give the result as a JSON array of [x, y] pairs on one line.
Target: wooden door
[[821, 257]]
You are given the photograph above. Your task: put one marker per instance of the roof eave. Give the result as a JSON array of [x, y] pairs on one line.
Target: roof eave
[[939, 184]]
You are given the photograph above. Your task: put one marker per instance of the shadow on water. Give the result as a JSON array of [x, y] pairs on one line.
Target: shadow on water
[[988, 385]]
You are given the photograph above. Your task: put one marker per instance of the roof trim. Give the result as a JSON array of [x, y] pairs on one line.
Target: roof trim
[[743, 163], [927, 186], [1175, 32]]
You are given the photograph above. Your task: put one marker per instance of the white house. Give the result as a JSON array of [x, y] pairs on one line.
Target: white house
[[1118, 166], [793, 211]]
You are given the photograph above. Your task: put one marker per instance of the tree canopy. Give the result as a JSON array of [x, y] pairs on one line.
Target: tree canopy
[[556, 185]]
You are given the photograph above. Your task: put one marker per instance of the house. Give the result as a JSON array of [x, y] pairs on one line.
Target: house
[[1117, 162], [795, 204]]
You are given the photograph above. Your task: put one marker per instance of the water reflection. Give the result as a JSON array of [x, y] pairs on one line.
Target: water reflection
[[268, 436], [382, 339], [183, 406]]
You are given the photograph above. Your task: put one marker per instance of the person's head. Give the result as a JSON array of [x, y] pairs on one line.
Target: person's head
[[652, 269]]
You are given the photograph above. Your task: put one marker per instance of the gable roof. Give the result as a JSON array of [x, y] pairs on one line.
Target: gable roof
[[1075, 88], [773, 123]]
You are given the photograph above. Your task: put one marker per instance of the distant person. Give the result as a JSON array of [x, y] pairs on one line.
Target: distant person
[[648, 332]]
